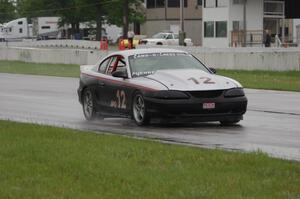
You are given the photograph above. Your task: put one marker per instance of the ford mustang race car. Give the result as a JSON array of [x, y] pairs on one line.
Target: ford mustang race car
[[158, 83]]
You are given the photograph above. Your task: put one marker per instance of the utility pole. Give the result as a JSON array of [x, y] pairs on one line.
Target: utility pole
[[283, 24], [245, 23], [181, 33], [181, 15], [125, 18]]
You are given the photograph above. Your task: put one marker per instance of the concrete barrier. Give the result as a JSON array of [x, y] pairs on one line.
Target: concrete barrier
[[40, 55], [273, 59], [231, 58], [78, 44]]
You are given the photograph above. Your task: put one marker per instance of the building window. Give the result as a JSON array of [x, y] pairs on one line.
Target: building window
[[237, 25], [10, 29], [209, 3], [45, 27], [20, 30], [222, 3], [160, 4], [176, 3], [209, 29], [156, 3], [221, 29], [199, 2], [20, 22], [238, 2], [150, 3]]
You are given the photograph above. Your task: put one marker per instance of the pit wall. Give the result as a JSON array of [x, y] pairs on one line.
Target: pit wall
[[272, 59]]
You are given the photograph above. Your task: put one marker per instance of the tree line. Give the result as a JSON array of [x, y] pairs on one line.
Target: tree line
[[73, 12]]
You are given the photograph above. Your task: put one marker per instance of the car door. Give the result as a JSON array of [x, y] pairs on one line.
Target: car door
[[116, 89], [100, 85], [170, 39], [176, 39]]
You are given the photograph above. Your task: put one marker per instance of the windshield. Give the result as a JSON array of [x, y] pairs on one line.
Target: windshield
[[147, 64], [160, 36]]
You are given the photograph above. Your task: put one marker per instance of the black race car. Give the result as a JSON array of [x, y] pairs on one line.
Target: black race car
[[148, 83]]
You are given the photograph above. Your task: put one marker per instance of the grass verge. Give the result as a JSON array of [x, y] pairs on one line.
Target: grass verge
[[288, 81], [273, 80], [48, 162], [61, 70]]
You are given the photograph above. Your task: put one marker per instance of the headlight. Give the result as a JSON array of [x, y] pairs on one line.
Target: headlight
[[168, 95], [235, 92]]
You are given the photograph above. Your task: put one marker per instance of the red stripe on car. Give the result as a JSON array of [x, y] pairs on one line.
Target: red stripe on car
[[119, 82]]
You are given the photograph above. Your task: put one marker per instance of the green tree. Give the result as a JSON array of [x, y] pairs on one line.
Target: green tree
[[37, 8], [124, 12], [70, 11], [7, 11], [117, 12], [95, 11]]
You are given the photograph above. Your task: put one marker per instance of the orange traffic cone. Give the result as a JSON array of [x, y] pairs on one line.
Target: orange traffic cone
[[103, 44], [121, 44]]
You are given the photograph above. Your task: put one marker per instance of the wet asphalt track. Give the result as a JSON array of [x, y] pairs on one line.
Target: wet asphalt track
[[272, 123]]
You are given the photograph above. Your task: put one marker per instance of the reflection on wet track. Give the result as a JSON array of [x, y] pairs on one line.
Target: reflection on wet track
[[271, 124]]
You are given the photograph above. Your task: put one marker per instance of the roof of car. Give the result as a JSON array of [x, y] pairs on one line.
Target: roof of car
[[127, 53]]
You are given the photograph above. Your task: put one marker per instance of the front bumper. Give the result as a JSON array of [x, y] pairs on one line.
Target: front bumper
[[192, 109]]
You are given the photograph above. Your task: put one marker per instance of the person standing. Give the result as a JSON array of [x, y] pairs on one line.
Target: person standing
[[267, 39], [130, 36]]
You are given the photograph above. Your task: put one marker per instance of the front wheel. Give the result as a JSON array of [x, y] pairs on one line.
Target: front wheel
[[88, 105], [139, 110]]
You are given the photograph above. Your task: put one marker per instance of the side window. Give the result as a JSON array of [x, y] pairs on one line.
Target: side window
[[117, 63], [169, 36], [121, 64], [111, 65], [103, 65]]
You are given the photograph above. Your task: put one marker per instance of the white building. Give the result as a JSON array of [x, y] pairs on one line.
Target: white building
[[241, 22], [296, 31], [298, 35]]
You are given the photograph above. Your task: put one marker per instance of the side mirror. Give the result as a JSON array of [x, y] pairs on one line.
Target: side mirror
[[213, 70], [120, 74]]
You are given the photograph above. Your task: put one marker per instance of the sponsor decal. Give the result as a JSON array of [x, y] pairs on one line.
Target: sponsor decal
[[142, 73], [159, 54]]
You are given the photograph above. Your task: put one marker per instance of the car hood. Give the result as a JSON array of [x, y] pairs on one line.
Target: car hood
[[192, 79]]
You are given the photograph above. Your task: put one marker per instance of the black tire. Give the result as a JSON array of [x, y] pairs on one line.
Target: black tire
[[229, 122], [139, 110], [88, 105]]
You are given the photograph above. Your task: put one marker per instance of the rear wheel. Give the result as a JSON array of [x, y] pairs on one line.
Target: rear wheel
[[88, 105], [139, 110], [229, 122]]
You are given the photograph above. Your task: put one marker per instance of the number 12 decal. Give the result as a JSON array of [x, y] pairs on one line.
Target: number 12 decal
[[121, 100], [206, 80]]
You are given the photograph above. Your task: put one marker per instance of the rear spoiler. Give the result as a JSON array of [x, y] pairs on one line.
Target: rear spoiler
[[86, 67]]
